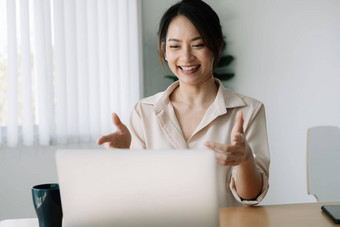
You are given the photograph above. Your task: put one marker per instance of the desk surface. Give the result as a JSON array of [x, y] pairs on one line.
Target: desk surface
[[299, 215]]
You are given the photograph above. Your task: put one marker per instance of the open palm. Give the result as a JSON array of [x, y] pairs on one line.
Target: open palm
[[119, 139]]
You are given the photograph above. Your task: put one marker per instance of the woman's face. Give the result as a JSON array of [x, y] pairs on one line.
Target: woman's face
[[188, 57]]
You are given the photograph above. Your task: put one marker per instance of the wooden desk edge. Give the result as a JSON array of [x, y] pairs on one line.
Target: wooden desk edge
[[299, 214]]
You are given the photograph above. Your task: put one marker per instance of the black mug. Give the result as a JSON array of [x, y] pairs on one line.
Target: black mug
[[47, 204]]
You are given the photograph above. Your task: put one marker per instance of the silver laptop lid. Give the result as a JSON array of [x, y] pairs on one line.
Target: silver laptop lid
[[138, 188]]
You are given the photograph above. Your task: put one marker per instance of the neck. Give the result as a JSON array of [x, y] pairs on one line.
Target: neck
[[199, 95]]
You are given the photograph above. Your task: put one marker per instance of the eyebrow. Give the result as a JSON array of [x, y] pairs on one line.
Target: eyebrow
[[177, 40]]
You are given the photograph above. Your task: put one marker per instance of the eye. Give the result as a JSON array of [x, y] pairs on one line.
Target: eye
[[174, 46], [198, 45]]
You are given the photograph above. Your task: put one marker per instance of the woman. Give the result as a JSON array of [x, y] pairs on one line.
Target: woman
[[197, 112]]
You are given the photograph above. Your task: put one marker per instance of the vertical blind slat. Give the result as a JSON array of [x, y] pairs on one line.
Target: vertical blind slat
[[60, 72], [82, 70], [12, 76], [123, 34], [134, 54], [49, 71], [27, 108], [3, 40], [92, 33], [139, 41], [103, 67], [113, 55], [41, 71], [71, 71]]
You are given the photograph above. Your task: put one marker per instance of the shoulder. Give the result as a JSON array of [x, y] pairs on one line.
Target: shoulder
[[234, 99], [151, 100], [253, 109], [251, 102], [159, 100], [250, 107], [148, 103]]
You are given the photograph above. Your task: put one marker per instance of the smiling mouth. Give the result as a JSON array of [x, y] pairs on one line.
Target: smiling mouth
[[189, 69]]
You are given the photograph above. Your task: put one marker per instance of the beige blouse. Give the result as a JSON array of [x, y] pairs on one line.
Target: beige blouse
[[153, 125]]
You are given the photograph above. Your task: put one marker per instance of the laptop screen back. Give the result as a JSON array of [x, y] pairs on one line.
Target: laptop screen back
[[138, 188]]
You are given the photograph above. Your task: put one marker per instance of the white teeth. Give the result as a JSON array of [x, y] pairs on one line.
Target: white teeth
[[189, 68]]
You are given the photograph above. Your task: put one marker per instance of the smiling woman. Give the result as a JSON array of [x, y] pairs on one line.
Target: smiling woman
[[197, 112]]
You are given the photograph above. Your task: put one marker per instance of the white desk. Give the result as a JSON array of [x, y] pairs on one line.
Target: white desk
[[24, 222]]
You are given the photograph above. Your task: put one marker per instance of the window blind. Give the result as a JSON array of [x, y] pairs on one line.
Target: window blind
[[73, 62]]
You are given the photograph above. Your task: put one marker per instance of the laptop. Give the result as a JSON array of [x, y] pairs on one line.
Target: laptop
[[138, 188]]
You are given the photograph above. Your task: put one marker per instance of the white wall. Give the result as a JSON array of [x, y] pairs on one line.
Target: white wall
[[22, 168], [288, 56]]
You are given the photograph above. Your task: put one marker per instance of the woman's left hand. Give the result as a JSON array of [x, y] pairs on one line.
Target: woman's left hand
[[235, 153]]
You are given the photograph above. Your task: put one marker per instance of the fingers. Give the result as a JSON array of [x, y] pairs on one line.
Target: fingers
[[227, 154], [232, 159], [237, 139], [226, 162], [216, 147], [235, 153], [238, 126], [103, 139], [109, 138], [121, 138], [107, 144], [116, 121], [237, 136], [223, 150]]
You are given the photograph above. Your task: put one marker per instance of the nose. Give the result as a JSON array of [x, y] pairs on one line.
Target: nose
[[187, 54]]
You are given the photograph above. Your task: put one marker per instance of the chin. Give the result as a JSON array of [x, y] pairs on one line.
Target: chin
[[192, 79]]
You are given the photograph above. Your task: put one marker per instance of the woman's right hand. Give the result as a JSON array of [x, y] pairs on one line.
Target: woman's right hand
[[119, 139]]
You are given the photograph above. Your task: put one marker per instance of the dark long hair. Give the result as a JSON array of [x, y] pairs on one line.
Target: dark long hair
[[203, 17]]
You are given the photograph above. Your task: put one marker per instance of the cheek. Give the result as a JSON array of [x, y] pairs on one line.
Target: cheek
[[170, 54], [210, 60], [171, 58]]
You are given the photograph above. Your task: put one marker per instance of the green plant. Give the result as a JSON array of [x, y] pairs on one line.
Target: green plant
[[221, 72]]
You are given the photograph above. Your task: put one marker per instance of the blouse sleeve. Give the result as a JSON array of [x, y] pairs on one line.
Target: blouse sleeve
[[257, 139]]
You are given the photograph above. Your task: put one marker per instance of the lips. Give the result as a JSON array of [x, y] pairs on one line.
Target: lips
[[189, 69]]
